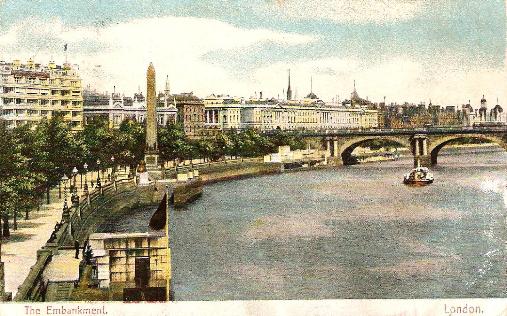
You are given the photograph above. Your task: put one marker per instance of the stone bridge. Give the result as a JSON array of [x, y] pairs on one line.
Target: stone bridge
[[424, 143]]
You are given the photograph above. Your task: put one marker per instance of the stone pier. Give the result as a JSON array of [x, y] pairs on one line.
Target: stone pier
[[420, 150]]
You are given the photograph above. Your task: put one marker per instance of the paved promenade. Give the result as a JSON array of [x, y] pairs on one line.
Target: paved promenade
[[19, 252]]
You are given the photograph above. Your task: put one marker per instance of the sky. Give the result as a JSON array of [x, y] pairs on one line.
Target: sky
[[448, 51]]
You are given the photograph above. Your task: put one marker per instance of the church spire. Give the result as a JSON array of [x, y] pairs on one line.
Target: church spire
[[289, 90], [166, 92], [167, 89]]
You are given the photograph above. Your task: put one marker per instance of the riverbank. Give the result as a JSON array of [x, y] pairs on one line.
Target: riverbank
[[404, 153], [238, 169]]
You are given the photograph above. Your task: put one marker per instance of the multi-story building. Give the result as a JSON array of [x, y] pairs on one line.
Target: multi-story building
[[30, 92], [222, 112], [116, 108], [190, 113], [481, 115], [292, 116]]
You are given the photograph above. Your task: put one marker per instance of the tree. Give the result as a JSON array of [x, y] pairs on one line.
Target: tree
[[16, 183], [59, 150], [99, 141], [283, 138], [129, 142], [173, 144], [29, 144]]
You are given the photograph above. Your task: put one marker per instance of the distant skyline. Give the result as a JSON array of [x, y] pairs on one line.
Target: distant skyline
[[446, 51]]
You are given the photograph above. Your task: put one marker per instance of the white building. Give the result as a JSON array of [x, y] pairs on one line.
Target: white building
[[481, 115], [222, 112], [116, 108], [296, 117]]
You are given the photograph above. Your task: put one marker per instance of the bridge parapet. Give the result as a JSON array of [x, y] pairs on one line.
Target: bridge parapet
[[424, 143]]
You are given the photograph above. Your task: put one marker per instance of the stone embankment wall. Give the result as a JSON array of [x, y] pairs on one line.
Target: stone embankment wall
[[94, 209], [187, 192], [235, 170]]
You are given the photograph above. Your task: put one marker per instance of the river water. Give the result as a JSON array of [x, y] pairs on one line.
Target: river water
[[348, 232]]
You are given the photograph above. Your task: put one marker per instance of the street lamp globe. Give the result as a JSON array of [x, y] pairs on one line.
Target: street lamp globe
[[85, 166]]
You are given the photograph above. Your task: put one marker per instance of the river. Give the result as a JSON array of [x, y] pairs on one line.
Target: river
[[348, 232]]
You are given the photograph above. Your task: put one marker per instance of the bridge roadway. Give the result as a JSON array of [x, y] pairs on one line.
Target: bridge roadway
[[425, 143]]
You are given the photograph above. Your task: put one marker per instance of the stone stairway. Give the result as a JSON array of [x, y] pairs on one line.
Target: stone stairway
[[59, 291]]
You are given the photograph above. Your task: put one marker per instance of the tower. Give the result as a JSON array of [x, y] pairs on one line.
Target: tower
[[483, 110], [289, 90], [151, 151], [167, 92], [484, 103]]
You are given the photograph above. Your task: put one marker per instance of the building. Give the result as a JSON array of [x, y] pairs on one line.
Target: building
[[222, 112], [116, 108], [31, 92], [127, 262], [409, 115], [190, 113], [301, 116], [481, 115]]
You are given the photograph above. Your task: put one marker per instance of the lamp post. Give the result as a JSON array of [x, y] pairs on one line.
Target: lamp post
[[65, 212], [74, 198], [85, 167], [98, 174], [112, 168], [74, 175]]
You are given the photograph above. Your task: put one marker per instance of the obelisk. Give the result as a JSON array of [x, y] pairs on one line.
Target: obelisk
[[151, 152]]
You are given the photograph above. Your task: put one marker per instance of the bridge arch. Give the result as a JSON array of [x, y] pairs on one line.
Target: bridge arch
[[435, 145], [346, 147]]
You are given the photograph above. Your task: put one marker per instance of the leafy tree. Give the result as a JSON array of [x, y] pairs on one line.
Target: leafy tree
[[173, 144], [16, 182], [59, 150], [129, 142], [99, 141]]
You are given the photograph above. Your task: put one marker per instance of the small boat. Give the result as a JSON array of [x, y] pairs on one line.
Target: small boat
[[418, 176]]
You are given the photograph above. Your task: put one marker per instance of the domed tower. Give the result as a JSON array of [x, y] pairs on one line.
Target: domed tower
[[467, 113], [483, 111], [496, 112]]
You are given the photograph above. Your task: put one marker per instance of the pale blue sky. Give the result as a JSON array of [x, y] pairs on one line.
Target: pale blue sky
[[459, 36]]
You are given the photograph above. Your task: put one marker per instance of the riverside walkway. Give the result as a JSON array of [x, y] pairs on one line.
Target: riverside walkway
[[19, 251]]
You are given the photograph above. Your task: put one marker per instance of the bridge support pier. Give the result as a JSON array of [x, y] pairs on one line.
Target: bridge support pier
[[334, 156], [335, 148], [420, 150]]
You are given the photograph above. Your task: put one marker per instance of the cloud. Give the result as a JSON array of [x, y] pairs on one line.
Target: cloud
[[119, 54], [351, 11]]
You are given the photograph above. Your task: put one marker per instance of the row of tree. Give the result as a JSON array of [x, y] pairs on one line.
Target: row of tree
[[33, 160]]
